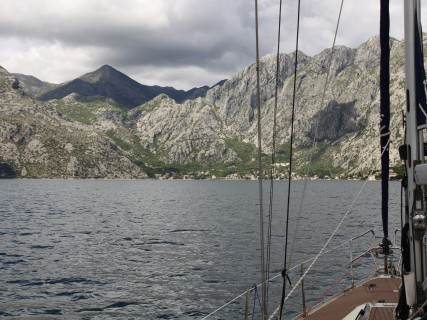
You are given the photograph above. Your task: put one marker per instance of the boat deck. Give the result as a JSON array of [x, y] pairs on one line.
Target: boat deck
[[381, 289]]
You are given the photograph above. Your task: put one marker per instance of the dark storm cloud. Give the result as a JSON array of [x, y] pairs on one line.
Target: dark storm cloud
[[205, 34], [183, 43]]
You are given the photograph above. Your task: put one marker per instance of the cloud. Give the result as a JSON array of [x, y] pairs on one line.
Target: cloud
[[79, 20], [179, 77], [183, 34], [51, 62], [184, 43]]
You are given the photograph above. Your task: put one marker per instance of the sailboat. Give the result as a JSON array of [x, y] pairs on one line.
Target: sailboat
[[394, 290]]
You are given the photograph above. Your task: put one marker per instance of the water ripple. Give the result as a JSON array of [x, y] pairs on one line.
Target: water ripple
[[87, 249]]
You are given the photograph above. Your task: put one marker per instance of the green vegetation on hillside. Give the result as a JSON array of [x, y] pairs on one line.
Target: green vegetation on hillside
[[84, 112]]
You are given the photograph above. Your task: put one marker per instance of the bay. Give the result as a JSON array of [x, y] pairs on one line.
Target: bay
[[147, 249]]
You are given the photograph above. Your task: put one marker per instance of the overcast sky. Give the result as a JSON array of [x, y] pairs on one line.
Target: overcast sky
[[179, 43]]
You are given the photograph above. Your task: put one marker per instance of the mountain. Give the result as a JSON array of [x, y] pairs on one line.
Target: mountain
[[215, 134], [109, 83]]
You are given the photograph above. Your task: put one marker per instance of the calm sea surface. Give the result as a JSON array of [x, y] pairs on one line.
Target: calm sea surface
[[86, 249]]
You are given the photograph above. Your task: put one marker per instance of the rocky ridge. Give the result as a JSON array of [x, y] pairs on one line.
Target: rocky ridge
[[109, 83], [69, 137]]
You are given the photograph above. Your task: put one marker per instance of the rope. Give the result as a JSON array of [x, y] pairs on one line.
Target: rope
[[261, 212], [225, 305]]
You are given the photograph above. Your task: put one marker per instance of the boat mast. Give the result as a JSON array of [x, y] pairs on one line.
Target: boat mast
[[415, 193], [385, 117]]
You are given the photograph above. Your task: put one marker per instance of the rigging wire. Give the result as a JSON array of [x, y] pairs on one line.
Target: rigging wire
[[273, 153], [284, 272], [261, 212]]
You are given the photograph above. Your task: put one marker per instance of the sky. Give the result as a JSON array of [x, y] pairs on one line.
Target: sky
[[179, 43]]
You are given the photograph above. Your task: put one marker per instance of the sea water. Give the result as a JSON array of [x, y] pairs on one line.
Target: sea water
[[147, 249]]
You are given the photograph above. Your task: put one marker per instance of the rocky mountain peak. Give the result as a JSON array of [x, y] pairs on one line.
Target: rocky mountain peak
[[105, 73]]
